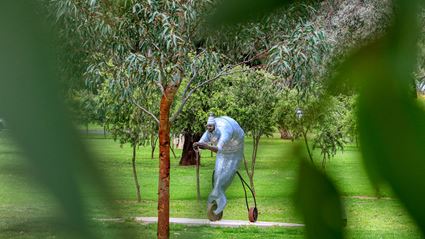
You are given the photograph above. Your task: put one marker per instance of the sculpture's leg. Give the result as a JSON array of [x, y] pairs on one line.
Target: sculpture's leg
[[211, 215], [225, 169]]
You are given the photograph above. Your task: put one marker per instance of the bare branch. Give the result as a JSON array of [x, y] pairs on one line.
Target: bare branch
[[161, 88], [257, 56], [194, 74], [145, 110], [220, 74], [225, 72]]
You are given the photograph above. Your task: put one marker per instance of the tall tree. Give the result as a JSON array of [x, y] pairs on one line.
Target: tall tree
[[151, 44], [249, 96], [126, 123], [191, 122]]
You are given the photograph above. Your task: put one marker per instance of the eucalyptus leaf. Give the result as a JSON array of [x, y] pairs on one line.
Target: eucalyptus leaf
[[37, 116], [391, 123], [319, 201]]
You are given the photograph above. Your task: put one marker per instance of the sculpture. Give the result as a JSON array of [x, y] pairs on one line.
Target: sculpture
[[227, 140]]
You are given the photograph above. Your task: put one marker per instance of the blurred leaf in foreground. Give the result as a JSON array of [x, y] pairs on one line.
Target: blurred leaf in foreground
[[391, 123], [318, 200], [30, 101], [233, 12]]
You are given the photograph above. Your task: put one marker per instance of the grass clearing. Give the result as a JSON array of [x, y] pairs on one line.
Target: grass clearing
[[27, 210]]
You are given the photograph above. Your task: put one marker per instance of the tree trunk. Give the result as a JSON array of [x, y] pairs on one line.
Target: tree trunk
[[250, 171], [164, 163], [256, 141], [188, 155], [136, 181], [174, 153], [153, 145], [307, 146], [198, 185], [285, 134], [104, 131]]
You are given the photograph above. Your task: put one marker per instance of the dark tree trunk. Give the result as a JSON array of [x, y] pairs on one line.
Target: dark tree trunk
[[136, 180], [188, 155], [285, 134], [307, 146]]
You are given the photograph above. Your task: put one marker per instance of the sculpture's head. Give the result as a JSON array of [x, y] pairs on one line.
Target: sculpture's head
[[211, 123], [210, 128]]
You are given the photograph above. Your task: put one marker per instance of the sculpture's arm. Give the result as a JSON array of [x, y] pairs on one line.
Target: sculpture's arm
[[205, 138], [212, 148], [224, 138], [203, 142]]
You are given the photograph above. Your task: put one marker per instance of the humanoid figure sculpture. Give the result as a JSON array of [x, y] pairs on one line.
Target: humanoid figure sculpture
[[225, 137]]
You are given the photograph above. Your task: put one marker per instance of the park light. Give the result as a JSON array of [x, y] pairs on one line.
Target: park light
[[299, 113]]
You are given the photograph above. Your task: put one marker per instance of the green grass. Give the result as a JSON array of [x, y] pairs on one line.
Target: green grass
[[26, 210]]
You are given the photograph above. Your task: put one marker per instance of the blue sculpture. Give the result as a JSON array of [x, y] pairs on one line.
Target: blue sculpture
[[225, 137]]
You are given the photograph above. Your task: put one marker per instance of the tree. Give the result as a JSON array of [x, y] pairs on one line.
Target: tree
[[382, 154], [158, 45], [191, 124], [191, 121], [83, 107], [324, 119], [249, 96], [152, 44], [126, 122]]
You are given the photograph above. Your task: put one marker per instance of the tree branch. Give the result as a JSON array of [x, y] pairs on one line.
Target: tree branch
[[145, 110], [224, 72], [194, 74]]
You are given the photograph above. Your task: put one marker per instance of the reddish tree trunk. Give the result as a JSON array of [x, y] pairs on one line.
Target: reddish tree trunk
[[164, 163], [188, 155]]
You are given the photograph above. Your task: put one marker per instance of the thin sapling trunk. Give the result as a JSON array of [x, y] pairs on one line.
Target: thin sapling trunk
[[136, 180]]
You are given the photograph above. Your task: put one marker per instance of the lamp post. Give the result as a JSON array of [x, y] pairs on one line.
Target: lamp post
[[299, 113]]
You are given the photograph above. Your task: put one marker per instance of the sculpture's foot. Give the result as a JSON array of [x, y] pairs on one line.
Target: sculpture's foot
[[211, 215]]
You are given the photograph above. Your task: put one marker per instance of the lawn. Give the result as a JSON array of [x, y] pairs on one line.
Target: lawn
[[27, 210]]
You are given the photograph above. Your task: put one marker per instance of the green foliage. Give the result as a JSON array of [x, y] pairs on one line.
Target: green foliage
[[300, 58], [195, 100], [194, 115], [285, 113], [84, 108], [224, 14], [249, 96], [129, 50], [328, 121], [331, 127], [123, 119], [258, 42]]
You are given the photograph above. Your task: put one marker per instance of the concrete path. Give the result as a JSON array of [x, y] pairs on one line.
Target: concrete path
[[221, 223]]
